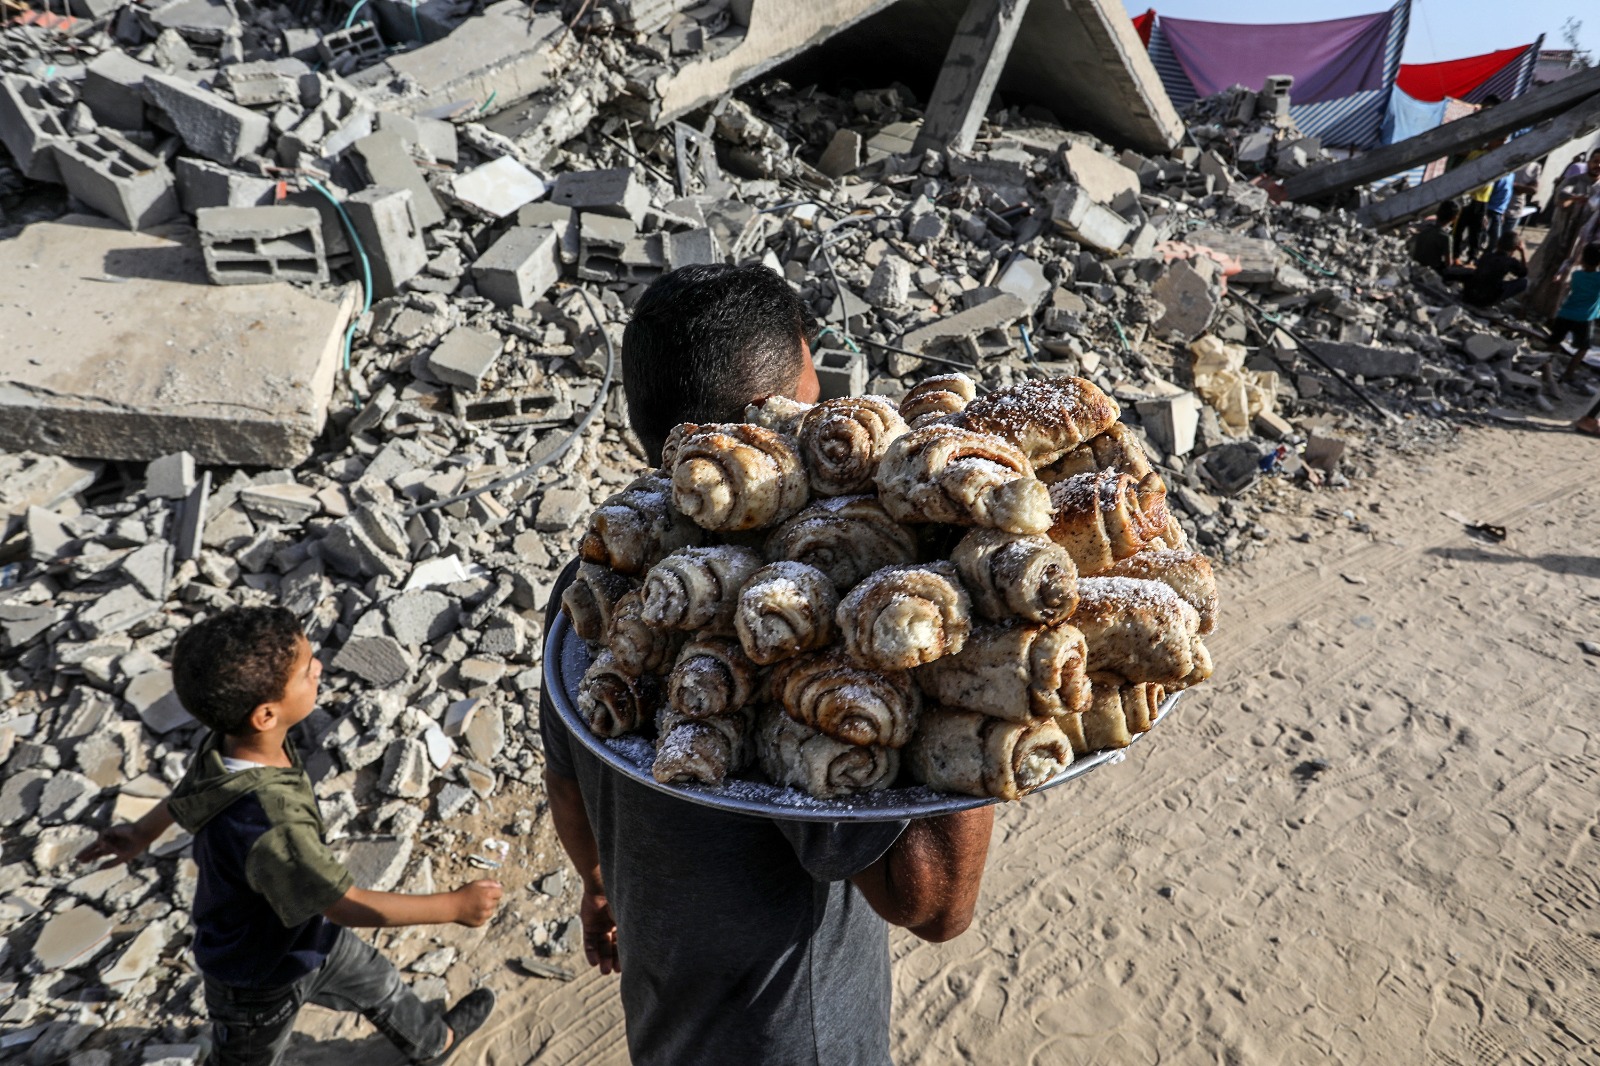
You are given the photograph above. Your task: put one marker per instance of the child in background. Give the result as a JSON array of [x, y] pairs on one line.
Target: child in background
[[1576, 317], [273, 907]]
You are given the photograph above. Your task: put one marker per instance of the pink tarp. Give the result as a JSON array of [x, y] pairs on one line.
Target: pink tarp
[[1328, 59]]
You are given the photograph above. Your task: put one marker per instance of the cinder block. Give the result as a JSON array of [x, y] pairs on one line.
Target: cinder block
[[352, 48], [340, 120], [118, 178], [617, 192], [385, 161], [1075, 213], [464, 357], [202, 183], [210, 126], [250, 245], [601, 242], [520, 267], [273, 81], [113, 90], [1172, 421], [690, 247], [840, 373], [31, 127], [388, 229]]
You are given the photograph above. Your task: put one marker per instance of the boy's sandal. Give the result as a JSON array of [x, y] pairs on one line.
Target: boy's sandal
[[1586, 432], [464, 1019]]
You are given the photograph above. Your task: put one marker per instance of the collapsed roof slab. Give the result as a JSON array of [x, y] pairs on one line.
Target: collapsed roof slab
[[117, 347], [1081, 59]]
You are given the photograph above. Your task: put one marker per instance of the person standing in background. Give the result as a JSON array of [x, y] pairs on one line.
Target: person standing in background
[[1524, 187], [1500, 197]]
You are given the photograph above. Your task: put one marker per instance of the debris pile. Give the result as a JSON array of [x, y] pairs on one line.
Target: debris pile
[[476, 424]]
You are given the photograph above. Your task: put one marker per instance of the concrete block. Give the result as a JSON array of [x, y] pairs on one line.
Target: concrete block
[[352, 48], [1102, 177], [1323, 451], [253, 245], [384, 160], [118, 178], [438, 139], [845, 153], [267, 82], [1075, 213], [377, 660], [387, 226], [1189, 292], [170, 477], [341, 119], [520, 267], [1272, 425], [209, 125], [1172, 421], [31, 127], [691, 247], [66, 797], [841, 373], [1024, 278], [406, 770], [617, 192], [464, 357], [604, 245], [1371, 362], [113, 90], [421, 616], [133, 381], [202, 183], [498, 188]]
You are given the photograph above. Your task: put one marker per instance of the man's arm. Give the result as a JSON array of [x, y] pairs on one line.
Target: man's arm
[[472, 904], [128, 841], [928, 880], [577, 839]]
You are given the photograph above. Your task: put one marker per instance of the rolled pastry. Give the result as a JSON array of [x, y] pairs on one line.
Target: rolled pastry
[[976, 754], [673, 444], [784, 609], [777, 413], [592, 597], [904, 616], [846, 537], [738, 476], [639, 647], [937, 397], [712, 676], [1116, 711], [1105, 516], [1009, 575], [612, 702], [834, 696], [1140, 631], [1043, 418], [1116, 449], [703, 750], [1012, 670], [942, 473], [634, 529], [1187, 572], [698, 588], [843, 440], [797, 756]]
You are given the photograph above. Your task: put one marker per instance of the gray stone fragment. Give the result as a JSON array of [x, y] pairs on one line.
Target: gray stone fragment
[[843, 154], [377, 863], [454, 799], [891, 283], [123, 606], [65, 797], [406, 769], [19, 795], [210, 126], [170, 477], [1189, 292], [150, 568], [384, 159], [152, 698], [560, 509], [386, 222], [1075, 213], [1371, 362], [504, 634], [20, 623], [421, 617], [71, 938], [464, 357], [137, 958], [376, 660]]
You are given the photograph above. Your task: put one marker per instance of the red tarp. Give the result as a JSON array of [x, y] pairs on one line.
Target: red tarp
[[1432, 82], [1144, 24]]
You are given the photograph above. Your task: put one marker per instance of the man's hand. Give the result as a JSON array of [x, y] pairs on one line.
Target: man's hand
[[126, 842], [477, 902], [599, 932]]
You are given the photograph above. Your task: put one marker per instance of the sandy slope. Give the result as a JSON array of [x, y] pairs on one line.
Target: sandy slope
[[1371, 839]]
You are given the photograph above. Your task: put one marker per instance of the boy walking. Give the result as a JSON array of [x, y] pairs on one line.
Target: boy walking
[[1578, 312], [273, 907]]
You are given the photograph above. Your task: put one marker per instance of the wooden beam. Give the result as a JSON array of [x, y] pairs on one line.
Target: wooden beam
[[972, 68], [1508, 158], [1330, 179]]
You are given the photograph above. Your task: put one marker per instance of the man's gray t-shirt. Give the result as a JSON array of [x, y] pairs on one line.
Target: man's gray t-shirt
[[742, 941]]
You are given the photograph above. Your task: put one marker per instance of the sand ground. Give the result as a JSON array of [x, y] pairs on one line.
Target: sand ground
[[1372, 838]]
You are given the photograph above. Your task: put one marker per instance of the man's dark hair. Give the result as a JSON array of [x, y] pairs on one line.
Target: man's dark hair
[[703, 342], [1506, 243], [1447, 211], [228, 665], [1591, 256]]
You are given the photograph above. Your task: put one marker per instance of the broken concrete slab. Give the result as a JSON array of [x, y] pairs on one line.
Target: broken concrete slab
[[152, 698], [377, 863], [1075, 213], [498, 187], [1189, 292], [243, 376], [844, 154], [486, 64], [30, 480], [71, 938], [122, 607], [997, 312], [377, 660], [1103, 178], [464, 357], [386, 162], [1371, 362]]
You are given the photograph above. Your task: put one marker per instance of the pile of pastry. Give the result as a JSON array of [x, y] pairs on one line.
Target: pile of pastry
[[956, 591]]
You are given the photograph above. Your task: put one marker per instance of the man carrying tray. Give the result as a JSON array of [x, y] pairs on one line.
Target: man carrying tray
[[742, 940]]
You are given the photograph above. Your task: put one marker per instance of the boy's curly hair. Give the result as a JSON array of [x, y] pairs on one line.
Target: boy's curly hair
[[229, 664]]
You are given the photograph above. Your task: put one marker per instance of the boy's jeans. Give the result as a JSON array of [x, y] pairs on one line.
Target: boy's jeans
[[251, 1026]]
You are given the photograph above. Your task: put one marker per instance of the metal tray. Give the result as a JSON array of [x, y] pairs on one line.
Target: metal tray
[[566, 658]]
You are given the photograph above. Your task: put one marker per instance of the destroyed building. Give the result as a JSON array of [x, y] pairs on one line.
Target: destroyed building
[[319, 305]]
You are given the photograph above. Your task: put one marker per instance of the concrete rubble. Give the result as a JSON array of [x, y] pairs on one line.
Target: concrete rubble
[[415, 509]]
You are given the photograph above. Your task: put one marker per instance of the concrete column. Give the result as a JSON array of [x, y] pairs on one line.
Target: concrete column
[[972, 68]]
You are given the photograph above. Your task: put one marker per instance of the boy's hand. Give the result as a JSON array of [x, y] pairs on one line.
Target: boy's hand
[[477, 902], [126, 842]]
